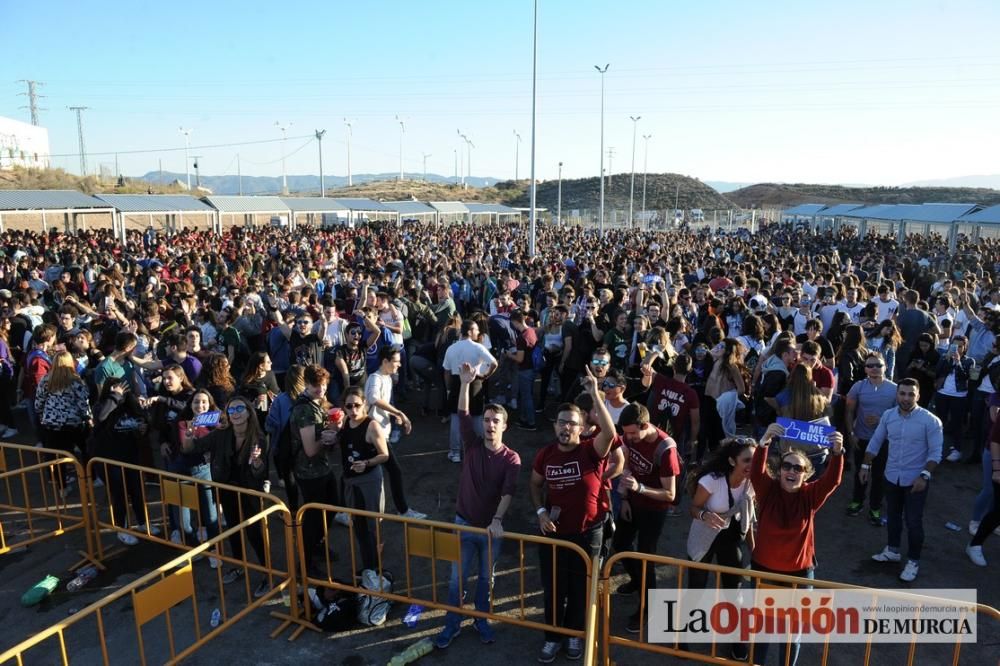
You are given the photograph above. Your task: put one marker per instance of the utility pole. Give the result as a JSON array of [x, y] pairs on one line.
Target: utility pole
[[468, 166], [284, 137], [79, 130], [456, 165], [601, 154], [631, 191], [611, 157], [197, 173], [402, 131], [187, 160], [645, 169], [559, 200], [677, 194], [161, 172], [426, 155], [517, 145], [322, 183], [33, 96], [239, 173], [349, 132]]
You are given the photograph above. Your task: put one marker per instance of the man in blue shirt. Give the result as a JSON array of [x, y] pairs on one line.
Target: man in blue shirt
[[915, 439]]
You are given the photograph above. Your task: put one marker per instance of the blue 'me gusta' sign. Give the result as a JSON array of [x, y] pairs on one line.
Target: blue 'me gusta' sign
[[804, 432]]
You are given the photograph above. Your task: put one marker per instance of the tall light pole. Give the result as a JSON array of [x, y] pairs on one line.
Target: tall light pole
[[645, 168], [601, 162], [349, 181], [402, 130], [187, 146], [534, 72], [322, 182], [468, 160], [631, 191], [426, 155], [517, 160], [559, 200], [284, 137]]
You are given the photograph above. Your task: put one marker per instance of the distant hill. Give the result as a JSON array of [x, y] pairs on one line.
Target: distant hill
[[393, 190], [991, 181], [662, 191], [724, 186], [776, 194], [308, 184]]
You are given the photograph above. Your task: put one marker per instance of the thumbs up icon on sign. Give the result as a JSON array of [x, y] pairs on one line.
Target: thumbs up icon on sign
[[792, 430]]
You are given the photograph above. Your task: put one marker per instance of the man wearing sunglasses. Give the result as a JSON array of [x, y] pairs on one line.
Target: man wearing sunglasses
[[567, 486], [866, 402], [915, 438]]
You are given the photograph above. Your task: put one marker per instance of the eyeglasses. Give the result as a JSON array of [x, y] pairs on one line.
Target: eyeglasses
[[874, 365], [302, 322], [609, 385], [354, 405], [599, 362], [236, 409], [791, 467], [354, 334], [568, 424]]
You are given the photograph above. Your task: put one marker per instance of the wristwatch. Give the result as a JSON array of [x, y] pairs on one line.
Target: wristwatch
[[541, 510], [925, 475]]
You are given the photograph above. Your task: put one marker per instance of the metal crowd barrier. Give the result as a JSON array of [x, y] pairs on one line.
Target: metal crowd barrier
[[214, 608], [425, 545], [988, 620], [35, 499]]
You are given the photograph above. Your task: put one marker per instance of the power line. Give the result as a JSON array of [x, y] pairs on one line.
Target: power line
[[33, 96], [172, 150]]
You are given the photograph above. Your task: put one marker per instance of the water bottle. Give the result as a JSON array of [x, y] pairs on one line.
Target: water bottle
[[216, 618], [85, 575], [953, 527], [413, 615], [412, 653]]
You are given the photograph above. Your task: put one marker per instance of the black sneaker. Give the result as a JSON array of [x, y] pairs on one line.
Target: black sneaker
[[875, 518], [527, 426], [631, 587], [854, 508], [634, 626]]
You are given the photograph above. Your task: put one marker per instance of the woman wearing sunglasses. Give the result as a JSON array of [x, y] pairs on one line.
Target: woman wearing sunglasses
[[239, 458], [787, 507]]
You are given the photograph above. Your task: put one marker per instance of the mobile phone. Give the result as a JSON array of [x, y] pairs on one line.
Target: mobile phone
[[952, 349]]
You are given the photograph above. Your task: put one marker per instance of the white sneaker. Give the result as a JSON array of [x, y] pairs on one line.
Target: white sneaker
[[973, 527], [455, 457], [175, 537], [394, 437], [214, 562], [127, 539], [342, 518], [887, 556], [9, 432], [910, 571], [98, 483], [975, 554], [954, 456], [153, 529], [416, 515]]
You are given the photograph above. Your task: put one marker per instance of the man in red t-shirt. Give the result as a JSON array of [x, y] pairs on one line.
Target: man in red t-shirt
[[570, 472], [522, 356], [648, 486], [671, 401], [822, 375]]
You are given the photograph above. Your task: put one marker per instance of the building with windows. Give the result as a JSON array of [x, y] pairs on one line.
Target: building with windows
[[23, 144]]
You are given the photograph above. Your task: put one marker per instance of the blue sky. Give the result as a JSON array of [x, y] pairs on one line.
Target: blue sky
[[851, 92]]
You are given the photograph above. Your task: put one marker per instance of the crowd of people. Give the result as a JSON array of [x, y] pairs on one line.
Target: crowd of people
[[662, 360]]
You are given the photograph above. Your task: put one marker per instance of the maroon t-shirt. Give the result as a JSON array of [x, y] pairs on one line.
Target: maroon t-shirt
[[574, 481], [486, 476], [671, 400], [823, 377], [648, 462], [526, 342]]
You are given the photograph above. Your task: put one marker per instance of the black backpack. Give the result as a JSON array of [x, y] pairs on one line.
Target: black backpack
[[288, 446], [20, 326]]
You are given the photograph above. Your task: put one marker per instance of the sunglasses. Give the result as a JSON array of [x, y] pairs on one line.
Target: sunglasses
[[874, 365], [568, 424], [301, 322], [609, 385], [353, 405], [354, 334], [599, 362], [792, 467], [236, 409]]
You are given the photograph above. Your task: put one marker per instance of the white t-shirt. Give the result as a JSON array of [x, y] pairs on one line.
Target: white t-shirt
[[467, 351], [615, 412], [886, 308], [718, 501], [379, 387], [854, 311]]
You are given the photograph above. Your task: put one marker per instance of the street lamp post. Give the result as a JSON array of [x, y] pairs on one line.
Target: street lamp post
[[601, 172], [187, 146], [284, 137], [468, 159], [559, 199], [631, 191], [322, 182], [402, 131], [645, 168], [534, 73], [426, 155], [349, 181]]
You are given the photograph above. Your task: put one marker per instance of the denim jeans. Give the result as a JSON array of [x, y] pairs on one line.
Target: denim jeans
[[455, 434], [475, 553], [952, 412], [761, 649], [526, 395], [180, 517], [902, 502], [984, 500], [565, 598]]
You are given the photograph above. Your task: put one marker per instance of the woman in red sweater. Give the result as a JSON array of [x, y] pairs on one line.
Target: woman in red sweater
[[786, 507]]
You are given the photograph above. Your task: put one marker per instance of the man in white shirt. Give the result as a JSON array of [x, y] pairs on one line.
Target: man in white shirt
[[466, 350], [851, 306], [886, 304]]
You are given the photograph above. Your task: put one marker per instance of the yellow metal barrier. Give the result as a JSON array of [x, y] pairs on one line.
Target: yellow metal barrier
[[155, 595], [426, 544], [35, 498], [888, 653]]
